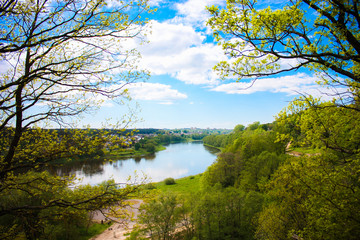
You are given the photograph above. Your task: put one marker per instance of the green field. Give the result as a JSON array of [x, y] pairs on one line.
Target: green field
[[184, 185]]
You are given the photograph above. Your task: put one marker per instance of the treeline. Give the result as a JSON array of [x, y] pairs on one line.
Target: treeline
[[222, 140], [119, 132], [257, 190], [165, 137], [150, 144]]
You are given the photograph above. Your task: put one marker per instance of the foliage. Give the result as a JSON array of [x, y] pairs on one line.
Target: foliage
[[63, 57], [224, 202], [224, 140], [218, 213], [169, 181], [212, 214], [257, 192], [234, 183], [252, 157], [161, 216], [316, 124], [315, 198], [60, 59], [320, 35], [43, 206], [151, 144], [149, 186], [92, 231]]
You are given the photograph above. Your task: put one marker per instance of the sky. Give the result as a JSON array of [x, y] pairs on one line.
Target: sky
[[183, 91]]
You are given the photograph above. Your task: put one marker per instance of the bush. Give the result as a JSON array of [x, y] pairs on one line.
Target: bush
[[169, 181], [149, 186]]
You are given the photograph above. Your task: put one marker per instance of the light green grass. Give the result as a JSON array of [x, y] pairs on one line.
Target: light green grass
[[184, 185], [94, 229], [160, 148]]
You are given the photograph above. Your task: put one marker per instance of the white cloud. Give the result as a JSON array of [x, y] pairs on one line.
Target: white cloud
[[167, 39], [180, 51], [291, 85], [155, 92], [4, 66], [194, 11], [155, 3]]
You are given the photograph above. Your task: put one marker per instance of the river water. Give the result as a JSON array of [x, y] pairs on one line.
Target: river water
[[178, 160]]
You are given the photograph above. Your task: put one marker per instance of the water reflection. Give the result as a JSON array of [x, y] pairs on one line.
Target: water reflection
[[212, 150], [178, 160]]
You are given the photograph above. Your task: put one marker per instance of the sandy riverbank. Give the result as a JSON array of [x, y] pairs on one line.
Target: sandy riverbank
[[122, 226]]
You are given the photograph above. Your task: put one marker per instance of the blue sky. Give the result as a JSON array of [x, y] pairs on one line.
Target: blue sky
[[183, 91]]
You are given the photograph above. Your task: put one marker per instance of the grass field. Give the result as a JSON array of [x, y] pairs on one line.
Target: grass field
[[184, 185]]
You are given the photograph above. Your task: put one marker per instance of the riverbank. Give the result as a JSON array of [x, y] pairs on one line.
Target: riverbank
[[181, 186], [220, 149], [122, 227]]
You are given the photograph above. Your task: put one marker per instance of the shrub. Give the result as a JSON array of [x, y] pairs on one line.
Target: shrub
[[149, 186], [169, 181]]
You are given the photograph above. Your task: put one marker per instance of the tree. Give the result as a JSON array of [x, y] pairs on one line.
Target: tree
[[311, 123], [59, 59], [150, 147], [225, 170], [314, 198], [239, 128], [6, 6], [224, 213], [160, 216], [266, 42], [137, 146], [309, 194]]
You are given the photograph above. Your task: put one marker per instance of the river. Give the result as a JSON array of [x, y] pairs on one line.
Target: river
[[178, 160]]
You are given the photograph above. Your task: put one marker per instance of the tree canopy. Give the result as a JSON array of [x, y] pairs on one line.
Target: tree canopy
[[313, 196], [59, 59], [323, 36]]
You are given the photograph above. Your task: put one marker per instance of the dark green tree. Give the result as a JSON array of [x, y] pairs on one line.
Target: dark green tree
[[160, 217]]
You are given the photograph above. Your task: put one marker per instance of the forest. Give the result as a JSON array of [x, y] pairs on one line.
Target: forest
[[257, 189], [298, 177], [295, 178]]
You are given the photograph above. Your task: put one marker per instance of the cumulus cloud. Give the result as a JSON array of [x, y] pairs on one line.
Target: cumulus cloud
[[291, 85], [194, 11], [180, 51], [155, 3], [170, 39], [160, 93], [177, 47]]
